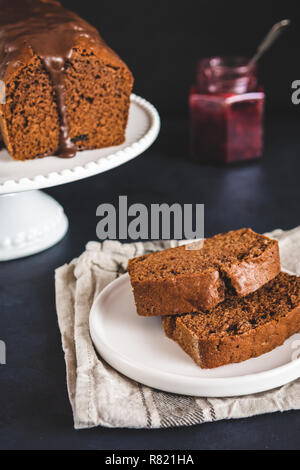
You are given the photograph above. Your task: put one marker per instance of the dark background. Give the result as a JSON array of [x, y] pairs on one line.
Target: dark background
[[161, 42]]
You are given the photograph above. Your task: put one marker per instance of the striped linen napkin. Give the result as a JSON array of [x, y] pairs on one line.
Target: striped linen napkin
[[99, 395]]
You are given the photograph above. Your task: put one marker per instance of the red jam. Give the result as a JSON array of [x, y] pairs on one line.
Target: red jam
[[226, 111]]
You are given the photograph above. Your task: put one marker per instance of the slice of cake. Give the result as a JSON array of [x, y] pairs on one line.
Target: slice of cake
[[240, 328], [197, 277], [66, 90]]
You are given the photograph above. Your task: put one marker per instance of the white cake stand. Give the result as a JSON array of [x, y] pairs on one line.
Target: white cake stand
[[32, 221]]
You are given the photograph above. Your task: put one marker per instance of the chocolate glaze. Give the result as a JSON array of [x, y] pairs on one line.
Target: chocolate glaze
[[51, 32]]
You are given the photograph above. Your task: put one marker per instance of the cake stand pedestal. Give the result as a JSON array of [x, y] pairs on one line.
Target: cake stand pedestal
[[32, 221]]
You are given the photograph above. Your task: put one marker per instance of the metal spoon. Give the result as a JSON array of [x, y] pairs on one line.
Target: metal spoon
[[272, 35]]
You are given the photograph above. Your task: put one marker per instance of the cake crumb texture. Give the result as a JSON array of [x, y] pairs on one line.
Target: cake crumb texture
[[180, 280], [240, 328]]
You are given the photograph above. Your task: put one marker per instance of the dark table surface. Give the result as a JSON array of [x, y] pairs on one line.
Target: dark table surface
[[35, 411]]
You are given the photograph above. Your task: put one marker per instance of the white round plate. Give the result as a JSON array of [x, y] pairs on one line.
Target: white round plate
[[142, 130], [138, 348]]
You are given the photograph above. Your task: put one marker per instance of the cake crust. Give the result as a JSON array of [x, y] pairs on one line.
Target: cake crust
[[180, 280], [240, 328]]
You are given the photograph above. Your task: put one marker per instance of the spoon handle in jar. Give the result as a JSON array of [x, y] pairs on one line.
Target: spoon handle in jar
[[272, 35]]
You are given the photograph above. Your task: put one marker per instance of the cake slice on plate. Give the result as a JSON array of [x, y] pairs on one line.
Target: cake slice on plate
[[199, 276], [240, 328]]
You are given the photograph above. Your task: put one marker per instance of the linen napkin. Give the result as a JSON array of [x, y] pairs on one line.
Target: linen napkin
[[99, 395]]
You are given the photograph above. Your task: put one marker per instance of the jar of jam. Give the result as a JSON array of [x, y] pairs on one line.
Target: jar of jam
[[226, 111]]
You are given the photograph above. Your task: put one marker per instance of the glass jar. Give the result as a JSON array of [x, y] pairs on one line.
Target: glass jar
[[226, 111]]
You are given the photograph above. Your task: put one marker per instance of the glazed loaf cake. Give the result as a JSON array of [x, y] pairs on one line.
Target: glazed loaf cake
[[240, 328], [180, 280], [66, 90]]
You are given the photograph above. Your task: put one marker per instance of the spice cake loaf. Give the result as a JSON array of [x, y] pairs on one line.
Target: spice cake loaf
[[66, 90], [185, 280], [240, 328]]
